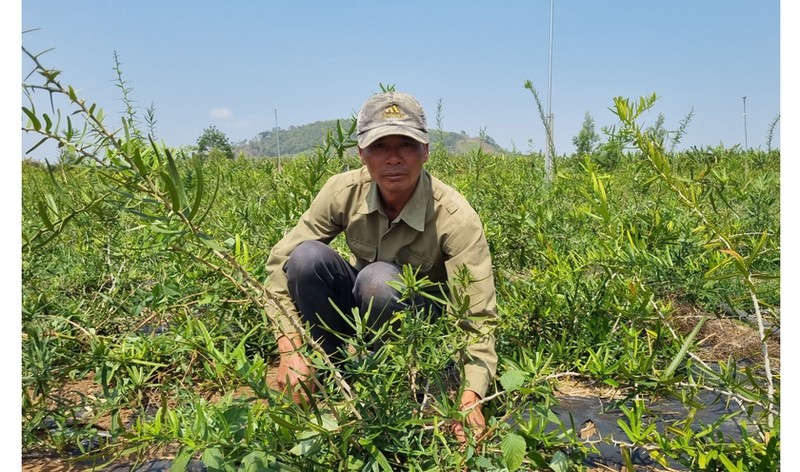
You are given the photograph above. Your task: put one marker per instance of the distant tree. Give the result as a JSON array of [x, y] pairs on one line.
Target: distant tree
[[609, 154], [214, 141], [657, 130], [587, 137], [296, 140]]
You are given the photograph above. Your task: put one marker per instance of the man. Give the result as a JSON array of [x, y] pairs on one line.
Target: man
[[392, 213]]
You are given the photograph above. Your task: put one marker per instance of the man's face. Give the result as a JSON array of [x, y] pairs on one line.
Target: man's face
[[395, 163]]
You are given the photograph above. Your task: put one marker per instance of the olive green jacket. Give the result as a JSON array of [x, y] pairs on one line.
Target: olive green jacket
[[437, 232]]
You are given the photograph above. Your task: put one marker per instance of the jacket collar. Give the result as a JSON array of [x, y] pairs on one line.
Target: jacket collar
[[414, 212]]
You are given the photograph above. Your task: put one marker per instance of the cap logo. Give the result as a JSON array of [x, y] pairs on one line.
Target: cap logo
[[394, 112]]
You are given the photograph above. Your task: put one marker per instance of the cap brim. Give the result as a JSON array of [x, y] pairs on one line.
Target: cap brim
[[369, 137]]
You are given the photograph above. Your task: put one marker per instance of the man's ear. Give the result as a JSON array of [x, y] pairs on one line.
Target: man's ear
[[425, 159], [360, 154]]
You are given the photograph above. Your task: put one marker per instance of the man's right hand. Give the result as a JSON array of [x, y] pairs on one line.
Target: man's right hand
[[294, 368]]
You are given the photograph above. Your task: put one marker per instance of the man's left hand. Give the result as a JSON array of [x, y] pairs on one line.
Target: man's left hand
[[475, 419]]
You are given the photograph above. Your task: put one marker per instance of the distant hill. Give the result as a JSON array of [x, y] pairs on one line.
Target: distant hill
[[305, 138]]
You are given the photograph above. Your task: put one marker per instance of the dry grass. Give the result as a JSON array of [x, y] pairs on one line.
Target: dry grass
[[723, 338]]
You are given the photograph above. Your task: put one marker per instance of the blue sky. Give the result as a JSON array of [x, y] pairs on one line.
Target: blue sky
[[204, 63]]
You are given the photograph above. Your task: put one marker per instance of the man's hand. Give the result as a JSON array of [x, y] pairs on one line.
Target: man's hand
[[294, 368], [475, 419]]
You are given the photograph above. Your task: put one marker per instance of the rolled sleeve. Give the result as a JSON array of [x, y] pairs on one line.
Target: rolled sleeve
[[319, 223], [469, 250]]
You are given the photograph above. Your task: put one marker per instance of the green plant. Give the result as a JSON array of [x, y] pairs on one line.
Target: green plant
[[587, 138], [681, 131], [214, 141], [771, 132], [551, 148], [731, 260]]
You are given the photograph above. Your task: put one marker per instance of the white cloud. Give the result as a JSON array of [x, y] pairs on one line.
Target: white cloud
[[221, 113]]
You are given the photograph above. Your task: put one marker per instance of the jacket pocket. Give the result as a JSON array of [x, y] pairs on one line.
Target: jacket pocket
[[406, 256], [363, 251]]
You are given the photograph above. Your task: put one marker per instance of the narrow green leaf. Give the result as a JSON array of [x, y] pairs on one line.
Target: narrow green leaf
[[51, 203], [210, 205], [682, 353], [735, 255], [211, 243], [43, 214], [197, 162], [766, 276], [176, 179], [171, 418], [147, 363], [757, 249], [283, 422], [729, 466], [181, 461], [161, 229], [48, 123], [37, 125], [136, 155], [600, 192], [155, 150], [626, 429], [71, 93], [379, 458], [711, 271], [39, 143], [175, 200]]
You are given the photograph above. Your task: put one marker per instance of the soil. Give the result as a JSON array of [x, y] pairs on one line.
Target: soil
[[719, 340]]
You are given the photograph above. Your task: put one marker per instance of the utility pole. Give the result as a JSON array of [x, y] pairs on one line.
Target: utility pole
[[277, 138], [746, 154], [744, 114], [548, 162]]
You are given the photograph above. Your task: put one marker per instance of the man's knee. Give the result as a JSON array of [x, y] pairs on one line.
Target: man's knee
[[371, 283], [308, 252], [307, 256]]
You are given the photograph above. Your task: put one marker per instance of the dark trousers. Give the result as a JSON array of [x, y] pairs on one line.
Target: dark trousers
[[320, 278]]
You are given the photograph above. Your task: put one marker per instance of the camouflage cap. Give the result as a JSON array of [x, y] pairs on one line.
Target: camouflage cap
[[391, 113]]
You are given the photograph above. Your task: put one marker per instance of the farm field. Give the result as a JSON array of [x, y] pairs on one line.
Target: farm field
[[637, 275]]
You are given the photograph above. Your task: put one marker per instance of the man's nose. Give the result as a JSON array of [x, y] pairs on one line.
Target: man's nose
[[393, 154]]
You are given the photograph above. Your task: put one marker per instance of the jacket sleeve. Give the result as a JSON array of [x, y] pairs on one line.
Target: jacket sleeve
[[468, 249], [320, 222]]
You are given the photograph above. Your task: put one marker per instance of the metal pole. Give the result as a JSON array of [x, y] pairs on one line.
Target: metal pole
[[278, 139], [548, 163], [744, 106]]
